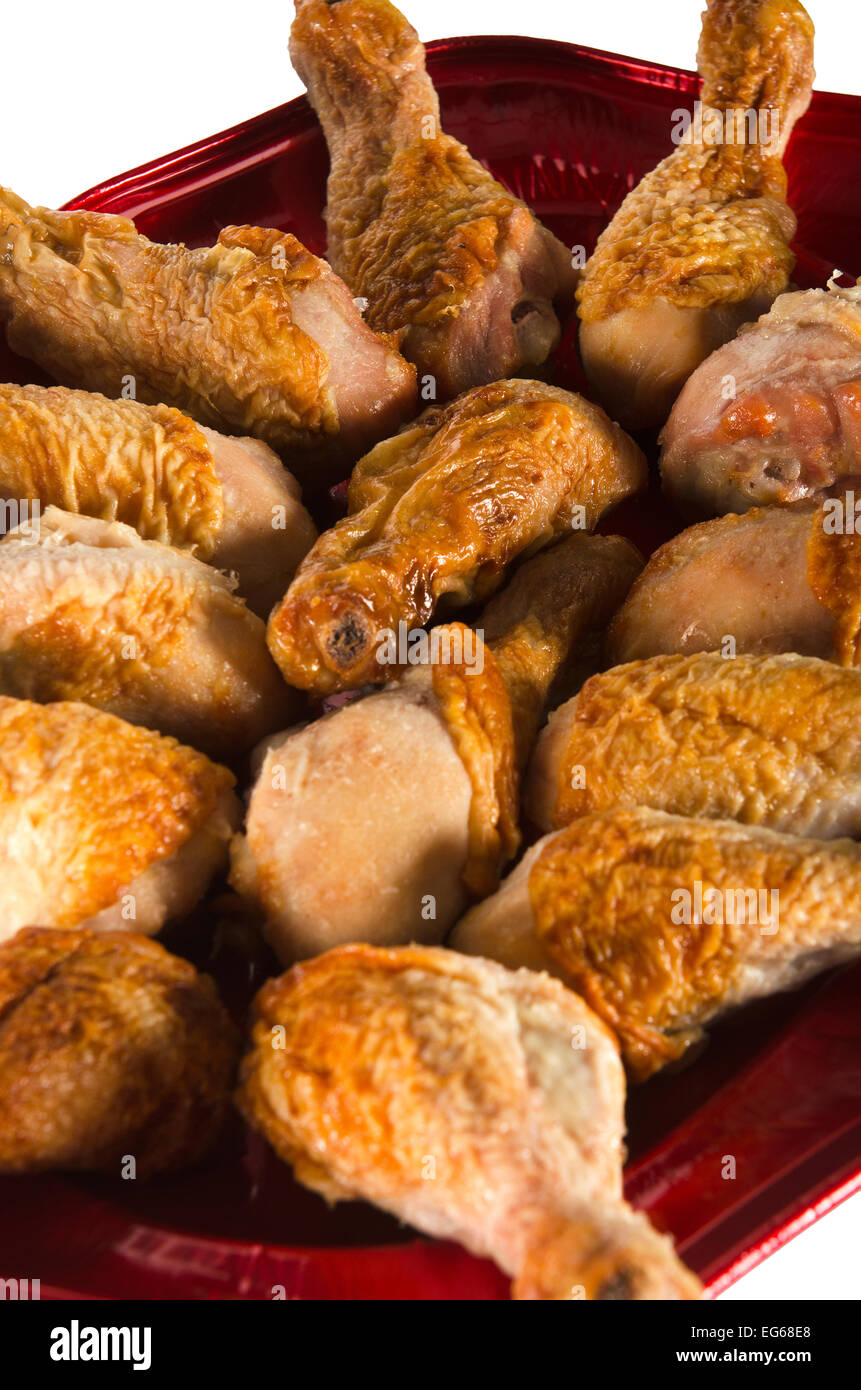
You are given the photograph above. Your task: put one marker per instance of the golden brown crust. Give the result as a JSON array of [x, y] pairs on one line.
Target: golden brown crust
[[477, 712], [438, 512], [110, 1047], [834, 575], [92, 802], [149, 466]]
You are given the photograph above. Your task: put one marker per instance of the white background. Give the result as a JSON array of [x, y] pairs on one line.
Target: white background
[[94, 88]]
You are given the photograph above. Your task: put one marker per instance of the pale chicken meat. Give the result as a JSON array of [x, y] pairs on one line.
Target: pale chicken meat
[[111, 1050], [775, 415], [662, 923], [444, 255], [767, 740], [436, 516], [229, 501], [701, 245], [495, 1115], [90, 612], [774, 579], [103, 824], [253, 335], [381, 820]]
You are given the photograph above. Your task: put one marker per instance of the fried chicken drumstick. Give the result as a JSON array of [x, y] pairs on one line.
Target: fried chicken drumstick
[[437, 513], [229, 501], [495, 1116], [444, 255], [110, 1049], [702, 243], [379, 821], [772, 580], [253, 335], [662, 923]]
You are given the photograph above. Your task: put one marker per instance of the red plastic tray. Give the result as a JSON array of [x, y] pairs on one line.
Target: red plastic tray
[[779, 1086]]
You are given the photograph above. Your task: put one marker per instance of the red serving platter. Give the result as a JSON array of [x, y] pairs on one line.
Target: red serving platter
[[778, 1088]]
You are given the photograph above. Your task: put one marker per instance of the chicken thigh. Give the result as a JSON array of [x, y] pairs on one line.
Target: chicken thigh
[[253, 334], [436, 514], [702, 243], [111, 1049], [662, 923], [768, 740], [494, 1116], [775, 415], [90, 612], [444, 255], [104, 824], [229, 501], [772, 580]]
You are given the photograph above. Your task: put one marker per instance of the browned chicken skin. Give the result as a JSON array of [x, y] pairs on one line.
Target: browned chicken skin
[[495, 1116], [662, 923], [772, 580], [90, 612], [229, 501], [253, 334], [104, 824], [775, 415], [702, 242], [437, 514], [444, 255], [110, 1049], [769, 740], [379, 821]]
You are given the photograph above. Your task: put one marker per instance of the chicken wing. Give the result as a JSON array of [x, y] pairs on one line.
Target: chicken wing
[[227, 500], [771, 580], [775, 415], [103, 824], [662, 923], [111, 1049], [768, 740], [90, 612], [476, 1103], [444, 255], [702, 243], [378, 822], [436, 514], [253, 334]]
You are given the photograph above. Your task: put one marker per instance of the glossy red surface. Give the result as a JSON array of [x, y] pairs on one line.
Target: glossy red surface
[[778, 1088]]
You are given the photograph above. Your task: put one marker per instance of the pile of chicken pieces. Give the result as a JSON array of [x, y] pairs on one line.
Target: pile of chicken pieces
[[483, 748]]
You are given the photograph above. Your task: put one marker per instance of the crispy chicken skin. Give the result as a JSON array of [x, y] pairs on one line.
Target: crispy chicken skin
[[768, 740], [444, 255], [229, 501], [253, 335], [702, 242], [437, 513], [378, 822], [662, 923], [773, 580], [90, 612], [775, 415], [110, 1048], [103, 824], [495, 1116]]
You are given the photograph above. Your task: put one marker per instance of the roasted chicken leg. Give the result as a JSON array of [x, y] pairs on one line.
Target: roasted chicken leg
[[111, 1050], [661, 923], [379, 821], [479, 1104], [769, 740], [702, 243], [229, 501], [436, 514], [444, 255], [773, 580], [253, 334]]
